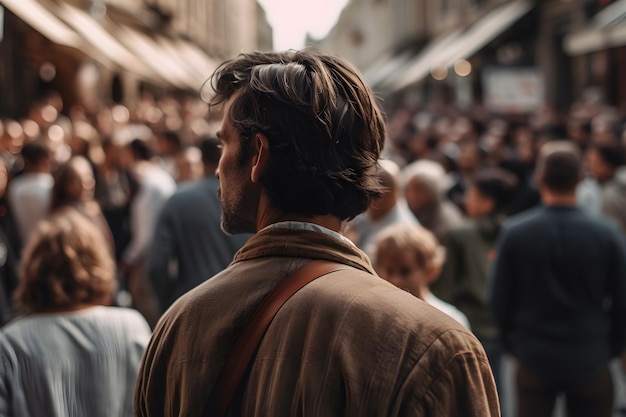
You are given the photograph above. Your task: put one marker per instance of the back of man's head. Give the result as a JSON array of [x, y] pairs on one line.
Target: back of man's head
[[324, 128], [140, 149], [559, 166], [36, 155], [432, 175], [497, 184], [611, 153], [170, 142], [211, 150]]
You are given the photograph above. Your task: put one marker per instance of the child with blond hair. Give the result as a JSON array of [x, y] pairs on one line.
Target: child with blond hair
[[410, 257]]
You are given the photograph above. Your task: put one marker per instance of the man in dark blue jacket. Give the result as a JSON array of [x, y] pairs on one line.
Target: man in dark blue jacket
[[558, 295]]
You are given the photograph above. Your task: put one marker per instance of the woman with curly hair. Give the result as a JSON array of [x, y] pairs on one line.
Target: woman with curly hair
[[71, 354]]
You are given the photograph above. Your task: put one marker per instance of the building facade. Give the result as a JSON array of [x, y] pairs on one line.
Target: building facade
[[595, 44], [373, 30], [94, 51], [514, 55]]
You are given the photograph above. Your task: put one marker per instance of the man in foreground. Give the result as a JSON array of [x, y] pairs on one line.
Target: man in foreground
[[301, 137]]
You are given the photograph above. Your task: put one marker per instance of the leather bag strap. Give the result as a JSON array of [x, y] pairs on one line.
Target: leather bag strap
[[249, 340]]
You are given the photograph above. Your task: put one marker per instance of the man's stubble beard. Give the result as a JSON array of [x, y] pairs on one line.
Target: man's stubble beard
[[237, 216]]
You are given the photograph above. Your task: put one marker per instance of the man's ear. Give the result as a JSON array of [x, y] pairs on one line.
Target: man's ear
[[261, 159], [432, 274]]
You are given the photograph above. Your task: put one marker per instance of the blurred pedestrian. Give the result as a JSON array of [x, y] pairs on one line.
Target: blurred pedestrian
[[425, 184], [607, 164], [154, 187], [387, 209], [167, 148], [188, 245], [470, 249], [613, 204], [70, 355], [115, 189], [9, 251], [409, 257], [73, 190], [558, 295], [301, 139], [189, 165], [29, 192], [467, 163]]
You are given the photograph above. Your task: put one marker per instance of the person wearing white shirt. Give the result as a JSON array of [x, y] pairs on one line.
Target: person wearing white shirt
[[155, 187], [29, 192]]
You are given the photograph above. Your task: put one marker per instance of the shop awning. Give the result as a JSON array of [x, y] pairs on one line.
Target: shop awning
[[197, 58], [43, 21], [158, 57], [466, 44], [103, 43], [420, 66], [386, 67], [606, 30], [197, 65]]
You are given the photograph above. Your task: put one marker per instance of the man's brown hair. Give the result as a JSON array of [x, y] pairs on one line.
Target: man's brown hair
[[324, 128]]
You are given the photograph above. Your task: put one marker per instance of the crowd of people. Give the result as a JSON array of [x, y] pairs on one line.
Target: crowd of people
[[117, 168], [464, 175], [106, 220], [107, 215]]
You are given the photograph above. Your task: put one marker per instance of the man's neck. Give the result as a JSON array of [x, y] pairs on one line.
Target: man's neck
[[329, 222], [268, 215], [554, 199], [36, 170]]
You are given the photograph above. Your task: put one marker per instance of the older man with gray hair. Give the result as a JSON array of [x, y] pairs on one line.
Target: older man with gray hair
[[388, 209], [425, 183]]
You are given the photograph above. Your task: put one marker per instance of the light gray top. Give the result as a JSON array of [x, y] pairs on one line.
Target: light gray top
[[369, 230], [81, 363]]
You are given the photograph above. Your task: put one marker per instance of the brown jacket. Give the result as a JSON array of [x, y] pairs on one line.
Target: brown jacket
[[348, 343]]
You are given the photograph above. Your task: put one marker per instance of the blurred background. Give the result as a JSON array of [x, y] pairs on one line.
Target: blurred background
[[513, 56], [115, 51], [468, 83]]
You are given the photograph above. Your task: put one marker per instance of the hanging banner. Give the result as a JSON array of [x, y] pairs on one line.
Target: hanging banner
[[513, 90]]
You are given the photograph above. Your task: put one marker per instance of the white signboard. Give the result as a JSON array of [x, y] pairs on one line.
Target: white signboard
[[513, 90]]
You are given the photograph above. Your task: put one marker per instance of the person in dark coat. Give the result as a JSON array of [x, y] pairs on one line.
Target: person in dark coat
[[469, 256], [558, 295], [189, 246]]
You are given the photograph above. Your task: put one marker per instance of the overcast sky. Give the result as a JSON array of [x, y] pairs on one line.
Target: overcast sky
[[292, 19]]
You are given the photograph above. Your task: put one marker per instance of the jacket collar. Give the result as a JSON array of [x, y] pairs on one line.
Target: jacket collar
[[282, 240]]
